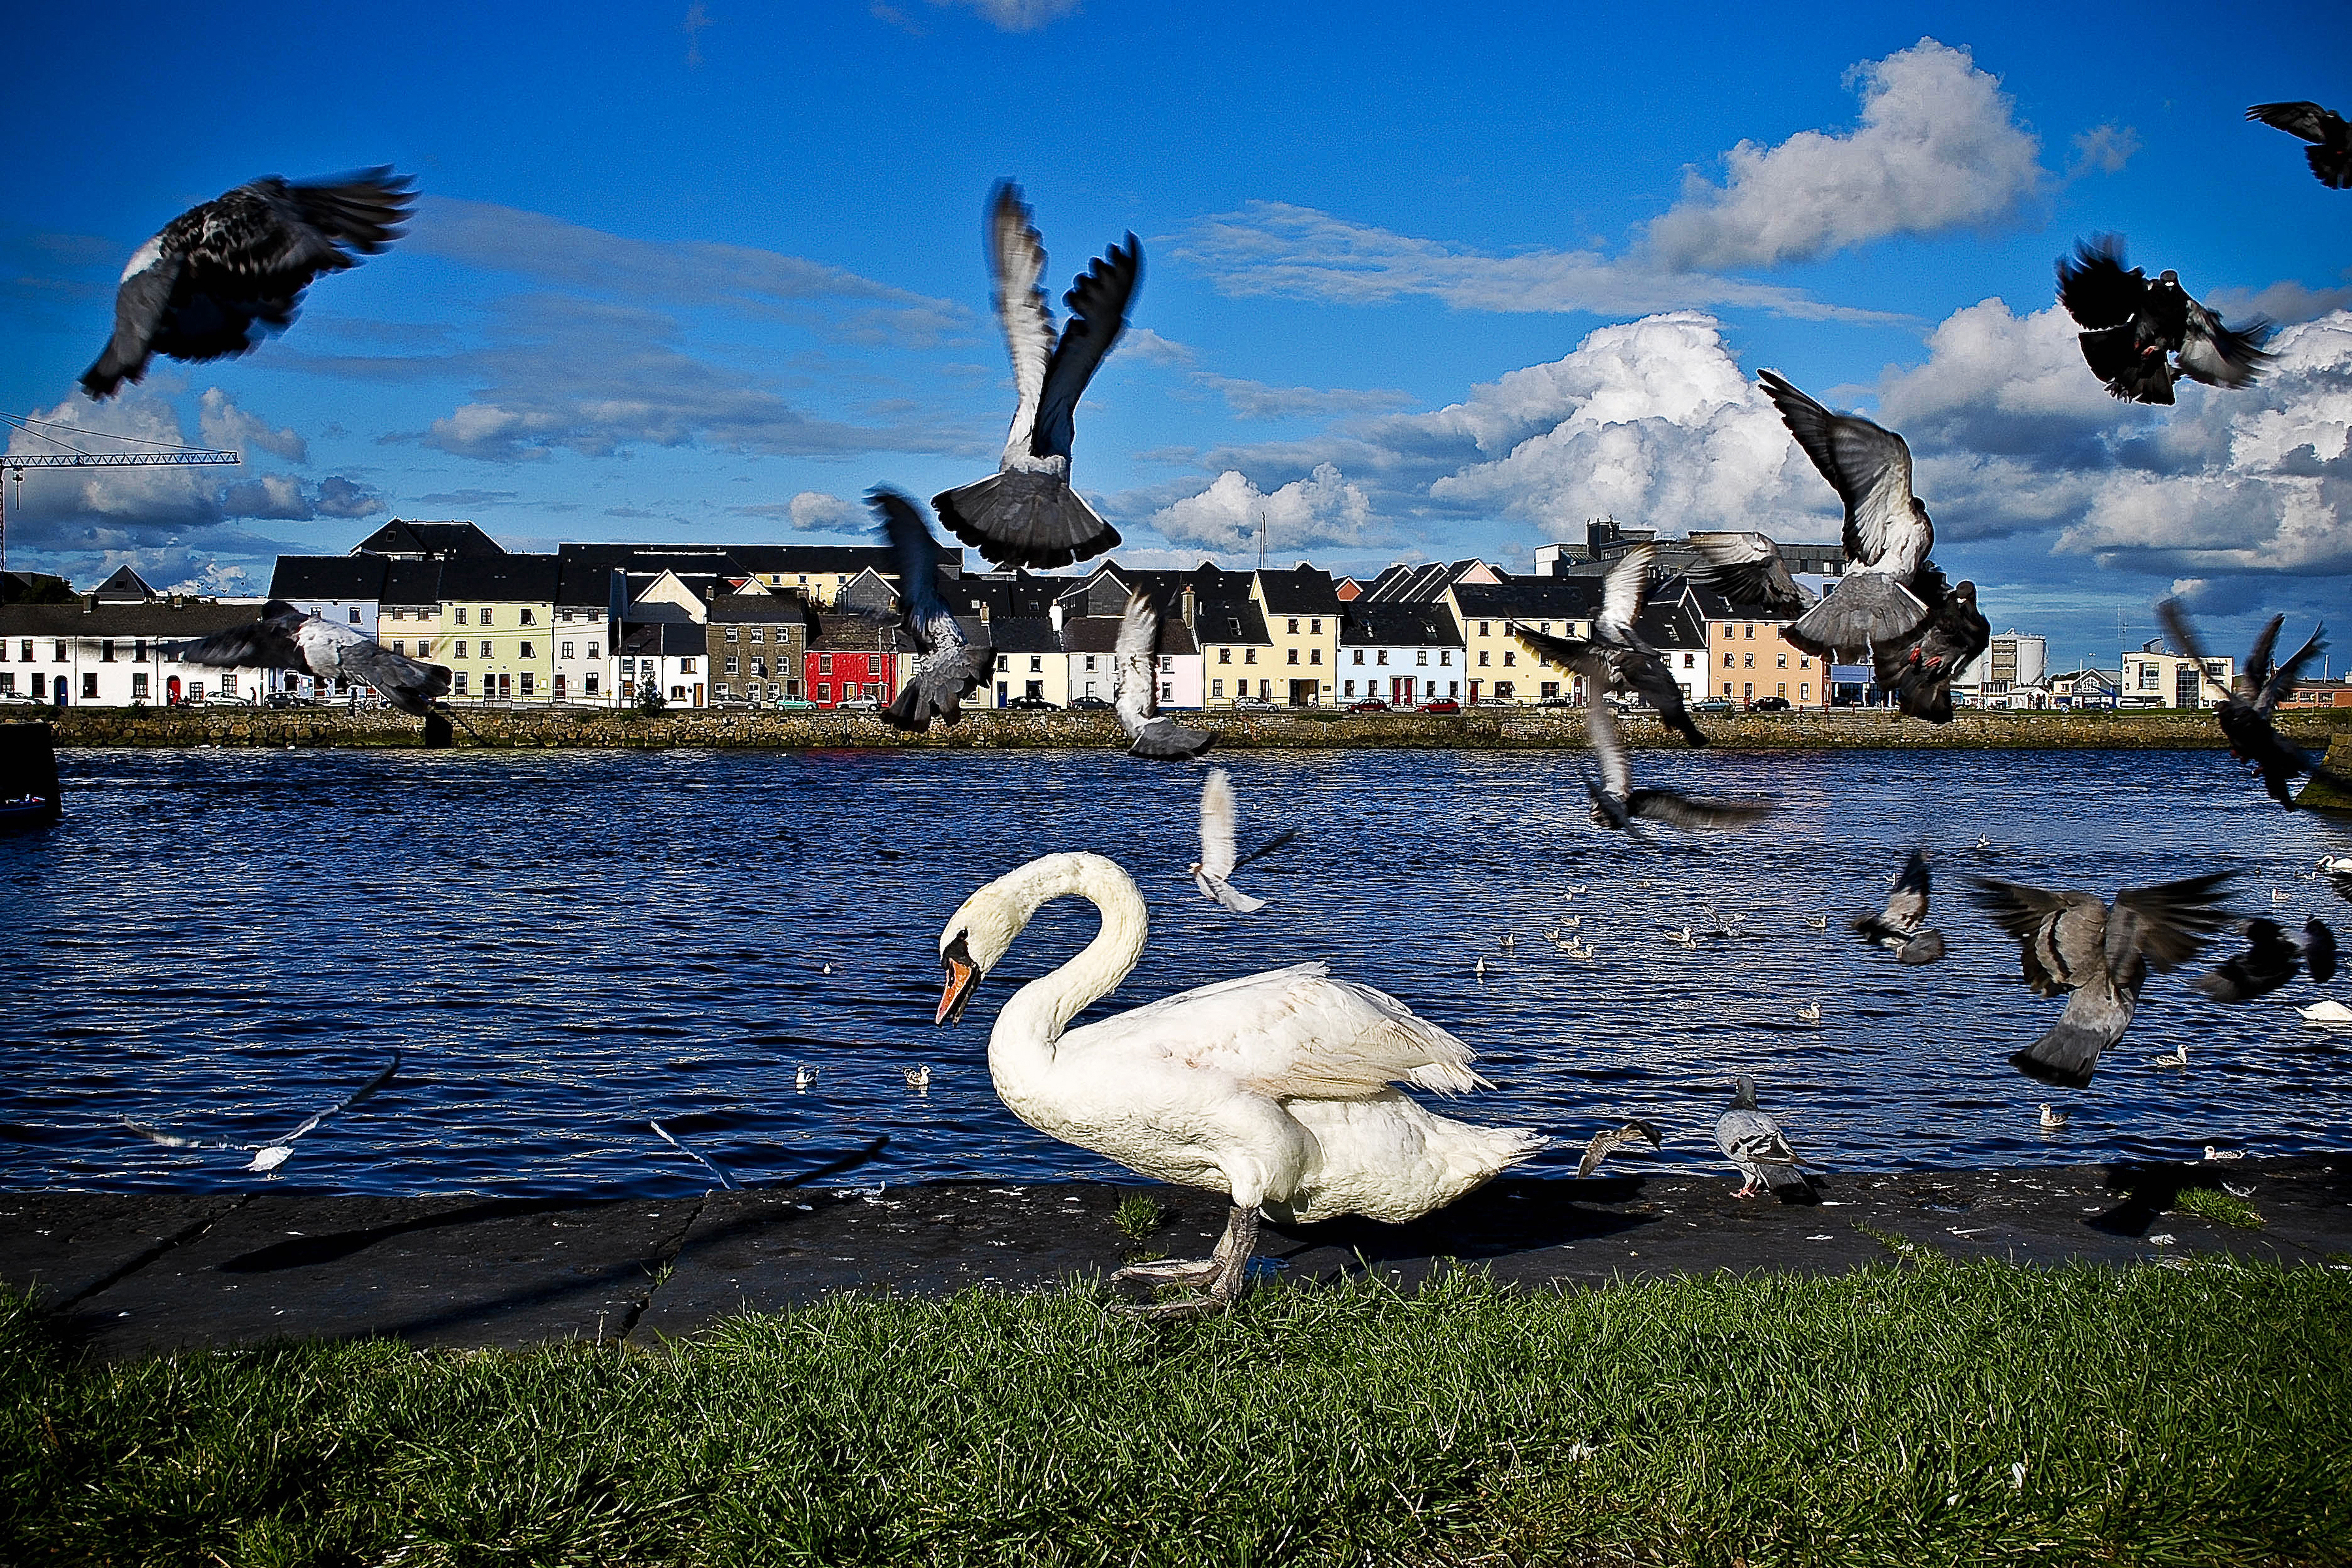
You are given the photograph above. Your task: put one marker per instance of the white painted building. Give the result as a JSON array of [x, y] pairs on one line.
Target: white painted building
[[1399, 652]]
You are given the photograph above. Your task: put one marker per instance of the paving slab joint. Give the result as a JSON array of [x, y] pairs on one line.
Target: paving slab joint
[[178, 1238], [665, 1259]]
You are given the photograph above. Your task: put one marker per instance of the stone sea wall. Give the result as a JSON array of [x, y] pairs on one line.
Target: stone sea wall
[[1483, 730]]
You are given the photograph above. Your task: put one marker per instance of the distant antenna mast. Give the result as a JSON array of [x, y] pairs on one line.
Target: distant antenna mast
[[70, 456], [1261, 536]]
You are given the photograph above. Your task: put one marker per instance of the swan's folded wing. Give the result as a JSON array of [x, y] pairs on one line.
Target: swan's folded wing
[[1293, 1034]]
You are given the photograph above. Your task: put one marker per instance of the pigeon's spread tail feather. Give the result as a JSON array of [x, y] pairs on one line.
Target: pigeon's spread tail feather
[[1020, 518], [2064, 1056], [1165, 740], [1865, 608]]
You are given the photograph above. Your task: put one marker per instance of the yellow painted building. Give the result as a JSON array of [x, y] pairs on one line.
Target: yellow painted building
[[1301, 608], [497, 627]]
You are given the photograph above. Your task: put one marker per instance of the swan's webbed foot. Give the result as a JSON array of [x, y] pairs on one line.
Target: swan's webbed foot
[[1217, 1278]]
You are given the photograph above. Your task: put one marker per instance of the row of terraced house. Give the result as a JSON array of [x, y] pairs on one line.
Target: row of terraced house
[[728, 625]]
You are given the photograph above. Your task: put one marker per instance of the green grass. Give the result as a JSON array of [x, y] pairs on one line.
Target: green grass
[[1138, 1216], [2161, 1416], [2212, 1202]]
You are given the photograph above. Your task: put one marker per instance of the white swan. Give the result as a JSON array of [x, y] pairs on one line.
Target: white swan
[[1274, 1089], [2328, 1012]]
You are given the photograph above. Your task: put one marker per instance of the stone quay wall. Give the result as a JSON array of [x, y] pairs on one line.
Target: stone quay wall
[[1492, 729]]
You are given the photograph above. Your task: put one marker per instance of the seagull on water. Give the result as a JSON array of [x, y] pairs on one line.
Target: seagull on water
[[803, 1076], [2178, 1057], [267, 1157], [1755, 1145], [2213, 1154], [1610, 1139], [2053, 1119], [1212, 872], [1026, 514], [1811, 1013], [918, 1078], [224, 275], [729, 1182], [1481, 966], [1819, 922], [1135, 691], [1682, 938]]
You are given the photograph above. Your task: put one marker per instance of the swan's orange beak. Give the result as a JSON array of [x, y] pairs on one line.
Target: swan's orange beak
[[962, 978]]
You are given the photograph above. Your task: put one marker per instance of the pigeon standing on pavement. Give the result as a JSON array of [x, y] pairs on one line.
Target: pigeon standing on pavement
[[2099, 955], [2272, 959], [2140, 336], [949, 666], [292, 639], [1755, 1144], [1900, 928], [2330, 152], [1623, 659], [2251, 697], [226, 273], [1135, 691], [1026, 514]]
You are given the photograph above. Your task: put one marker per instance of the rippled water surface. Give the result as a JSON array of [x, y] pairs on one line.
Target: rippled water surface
[[569, 944]]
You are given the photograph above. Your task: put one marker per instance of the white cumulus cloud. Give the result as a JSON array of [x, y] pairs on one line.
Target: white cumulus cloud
[[1324, 508], [1939, 148], [224, 423]]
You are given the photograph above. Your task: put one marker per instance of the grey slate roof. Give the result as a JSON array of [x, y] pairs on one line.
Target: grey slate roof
[[1530, 598], [530, 579], [429, 541], [1099, 633], [1229, 621], [329, 577], [125, 587], [1393, 624], [1300, 590], [411, 582], [157, 618], [758, 609]]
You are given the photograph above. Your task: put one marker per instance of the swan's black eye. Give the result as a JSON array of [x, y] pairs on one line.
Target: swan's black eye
[[958, 952]]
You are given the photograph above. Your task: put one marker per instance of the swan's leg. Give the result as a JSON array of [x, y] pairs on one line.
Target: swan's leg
[[1218, 1276]]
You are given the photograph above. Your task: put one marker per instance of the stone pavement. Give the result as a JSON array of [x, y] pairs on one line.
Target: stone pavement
[[131, 1275]]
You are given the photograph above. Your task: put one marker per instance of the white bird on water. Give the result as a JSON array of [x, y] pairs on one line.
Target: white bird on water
[[2053, 1119], [1482, 966], [1811, 1013], [918, 1078], [1682, 938], [1276, 1088], [2328, 1012], [267, 1157], [2213, 1154], [2176, 1058], [803, 1076], [1819, 922]]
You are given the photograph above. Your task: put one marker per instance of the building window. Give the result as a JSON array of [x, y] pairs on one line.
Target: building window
[[1805, 691], [760, 635], [1293, 628], [1509, 658], [1727, 658], [1037, 664], [559, 688], [734, 664], [1727, 688], [825, 664], [1216, 688], [61, 652], [1781, 689], [759, 664], [685, 666], [1224, 656], [1359, 656], [1485, 658], [486, 615], [457, 683], [106, 650], [1381, 658], [1747, 689], [1687, 661], [139, 687], [1249, 656], [1316, 626], [1314, 656], [1420, 656], [1445, 658], [461, 614], [1293, 656], [592, 650], [1485, 629], [1004, 662], [25, 648], [1091, 663], [1348, 688], [526, 652], [526, 683], [592, 685]]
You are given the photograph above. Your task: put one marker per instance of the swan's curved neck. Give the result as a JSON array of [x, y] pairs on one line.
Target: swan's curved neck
[[1037, 1014]]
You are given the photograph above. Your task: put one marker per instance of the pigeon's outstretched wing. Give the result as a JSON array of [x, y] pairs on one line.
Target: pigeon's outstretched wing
[[2093, 286], [168, 1140], [221, 275], [726, 1181], [1624, 591], [947, 664], [2272, 959], [1098, 302], [2221, 355], [1746, 569], [1608, 1140], [1217, 824], [2282, 681], [2330, 154], [1907, 905], [1630, 667], [1615, 800], [267, 643], [1608, 745], [1016, 267], [1135, 691], [1920, 667], [366, 1091], [2170, 923], [1869, 467], [408, 684]]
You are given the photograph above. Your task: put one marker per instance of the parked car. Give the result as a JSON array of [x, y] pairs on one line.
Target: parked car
[[1088, 705], [1033, 704], [859, 705], [1768, 705], [1712, 705], [222, 700], [791, 705], [1369, 705], [1256, 704], [1443, 705]]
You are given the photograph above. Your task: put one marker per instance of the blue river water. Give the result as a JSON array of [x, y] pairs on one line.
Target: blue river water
[[567, 945]]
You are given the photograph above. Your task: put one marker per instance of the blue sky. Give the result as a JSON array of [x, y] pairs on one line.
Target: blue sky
[[1420, 280]]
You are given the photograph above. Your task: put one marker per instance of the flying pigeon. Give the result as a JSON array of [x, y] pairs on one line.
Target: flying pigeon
[[1607, 1140], [729, 1182], [1891, 592], [1899, 928], [267, 1157], [223, 275], [947, 664], [2330, 153], [1746, 569], [1755, 1144], [1026, 514], [2100, 954], [1212, 872], [1919, 667], [2272, 959], [2141, 336], [1135, 691], [1616, 804], [288, 639], [2254, 695], [1624, 660]]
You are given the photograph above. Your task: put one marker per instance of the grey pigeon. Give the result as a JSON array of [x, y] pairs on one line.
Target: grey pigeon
[[1026, 514], [1746, 569], [2099, 955], [2252, 697], [2272, 959], [1135, 691], [1890, 588], [223, 275], [1900, 927], [2330, 152], [1755, 1144], [1625, 662], [1212, 872], [2139, 336], [1610, 1139], [288, 639], [267, 1157], [947, 664], [1617, 805]]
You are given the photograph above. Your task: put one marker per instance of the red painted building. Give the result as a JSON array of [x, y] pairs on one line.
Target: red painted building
[[850, 658]]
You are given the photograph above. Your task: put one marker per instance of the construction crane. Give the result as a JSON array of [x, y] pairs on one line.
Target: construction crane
[[163, 455]]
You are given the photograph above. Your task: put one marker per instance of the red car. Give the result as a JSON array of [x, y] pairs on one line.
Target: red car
[[1369, 705], [1443, 705]]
